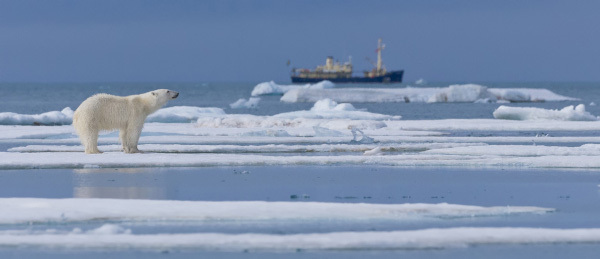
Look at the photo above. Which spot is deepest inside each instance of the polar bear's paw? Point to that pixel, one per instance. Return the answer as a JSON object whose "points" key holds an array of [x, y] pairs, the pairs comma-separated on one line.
{"points": [[132, 150]]}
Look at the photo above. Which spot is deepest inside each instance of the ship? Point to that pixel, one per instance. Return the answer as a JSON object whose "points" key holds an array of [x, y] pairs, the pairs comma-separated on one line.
{"points": [[342, 73]]}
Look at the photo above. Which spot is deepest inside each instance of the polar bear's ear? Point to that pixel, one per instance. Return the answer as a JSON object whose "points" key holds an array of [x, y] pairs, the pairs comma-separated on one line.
{"points": [[153, 93]]}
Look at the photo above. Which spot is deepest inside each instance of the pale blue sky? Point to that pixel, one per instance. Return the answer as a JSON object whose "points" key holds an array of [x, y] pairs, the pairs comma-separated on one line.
{"points": [[149, 41]]}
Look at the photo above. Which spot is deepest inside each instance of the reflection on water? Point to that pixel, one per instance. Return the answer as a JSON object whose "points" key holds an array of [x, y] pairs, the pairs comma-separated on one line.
{"points": [[104, 170], [155, 193], [121, 183]]}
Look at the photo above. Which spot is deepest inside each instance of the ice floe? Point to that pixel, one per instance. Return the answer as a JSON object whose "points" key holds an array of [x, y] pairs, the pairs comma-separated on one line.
{"points": [[466, 93], [48, 118], [567, 157], [452, 93], [569, 113], [182, 114], [323, 109], [322, 113], [328, 134], [112, 236], [270, 148], [271, 87], [291, 121], [520, 150], [252, 102], [329, 109], [37, 210]]}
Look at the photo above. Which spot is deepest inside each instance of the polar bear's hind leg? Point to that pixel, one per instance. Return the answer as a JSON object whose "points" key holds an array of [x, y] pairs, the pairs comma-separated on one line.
{"points": [[90, 142]]}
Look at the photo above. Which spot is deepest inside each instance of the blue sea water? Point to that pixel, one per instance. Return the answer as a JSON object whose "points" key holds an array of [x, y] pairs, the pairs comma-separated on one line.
{"points": [[573, 193], [35, 98]]}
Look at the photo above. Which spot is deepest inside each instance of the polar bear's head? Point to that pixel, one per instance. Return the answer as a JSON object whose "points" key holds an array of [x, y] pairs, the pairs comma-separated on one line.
{"points": [[161, 96]]}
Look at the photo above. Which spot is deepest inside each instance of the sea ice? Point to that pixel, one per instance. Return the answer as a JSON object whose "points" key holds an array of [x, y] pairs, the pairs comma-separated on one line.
{"points": [[325, 132], [38, 210], [266, 148], [374, 152], [183, 114], [420, 81], [462, 93], [48, 118], [452, 93], [569, 113], [252, 102], [364, 139], [434, 238], [329, 109], [219, 139], [271, 87]]}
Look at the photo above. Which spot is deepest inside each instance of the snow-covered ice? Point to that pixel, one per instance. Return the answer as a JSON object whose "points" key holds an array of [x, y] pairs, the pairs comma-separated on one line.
{"points": [[330, 133], [463, 93], [329, 109], [48, 118], [317, 93], [569, 113], [269, 148], [182, 114], [117, 237], [271, 87], [228, 140], [37, 210], [452, 93], [46, 214]]}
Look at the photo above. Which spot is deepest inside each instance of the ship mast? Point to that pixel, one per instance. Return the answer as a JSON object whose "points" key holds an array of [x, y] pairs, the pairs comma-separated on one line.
{"points": [[379, 62]]}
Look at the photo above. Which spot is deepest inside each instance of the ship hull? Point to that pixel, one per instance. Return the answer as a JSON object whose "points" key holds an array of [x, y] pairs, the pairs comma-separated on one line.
{"points": [[390, 77]]}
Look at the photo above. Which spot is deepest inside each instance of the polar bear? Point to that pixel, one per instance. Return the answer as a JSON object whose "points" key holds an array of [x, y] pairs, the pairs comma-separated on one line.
{"points": [[109, 112]]}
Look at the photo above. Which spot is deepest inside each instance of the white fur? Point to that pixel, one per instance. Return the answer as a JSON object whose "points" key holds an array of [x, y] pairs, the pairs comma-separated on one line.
{"points": [[109, 112]]}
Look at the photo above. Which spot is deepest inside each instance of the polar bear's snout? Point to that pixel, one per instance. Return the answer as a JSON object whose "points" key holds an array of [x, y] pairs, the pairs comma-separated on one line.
{"points": [[173, 94]]}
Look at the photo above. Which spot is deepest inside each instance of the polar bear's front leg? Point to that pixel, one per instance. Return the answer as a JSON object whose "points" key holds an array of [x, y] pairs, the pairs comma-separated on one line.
{"points": [[123, 138], [131, 137]]}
